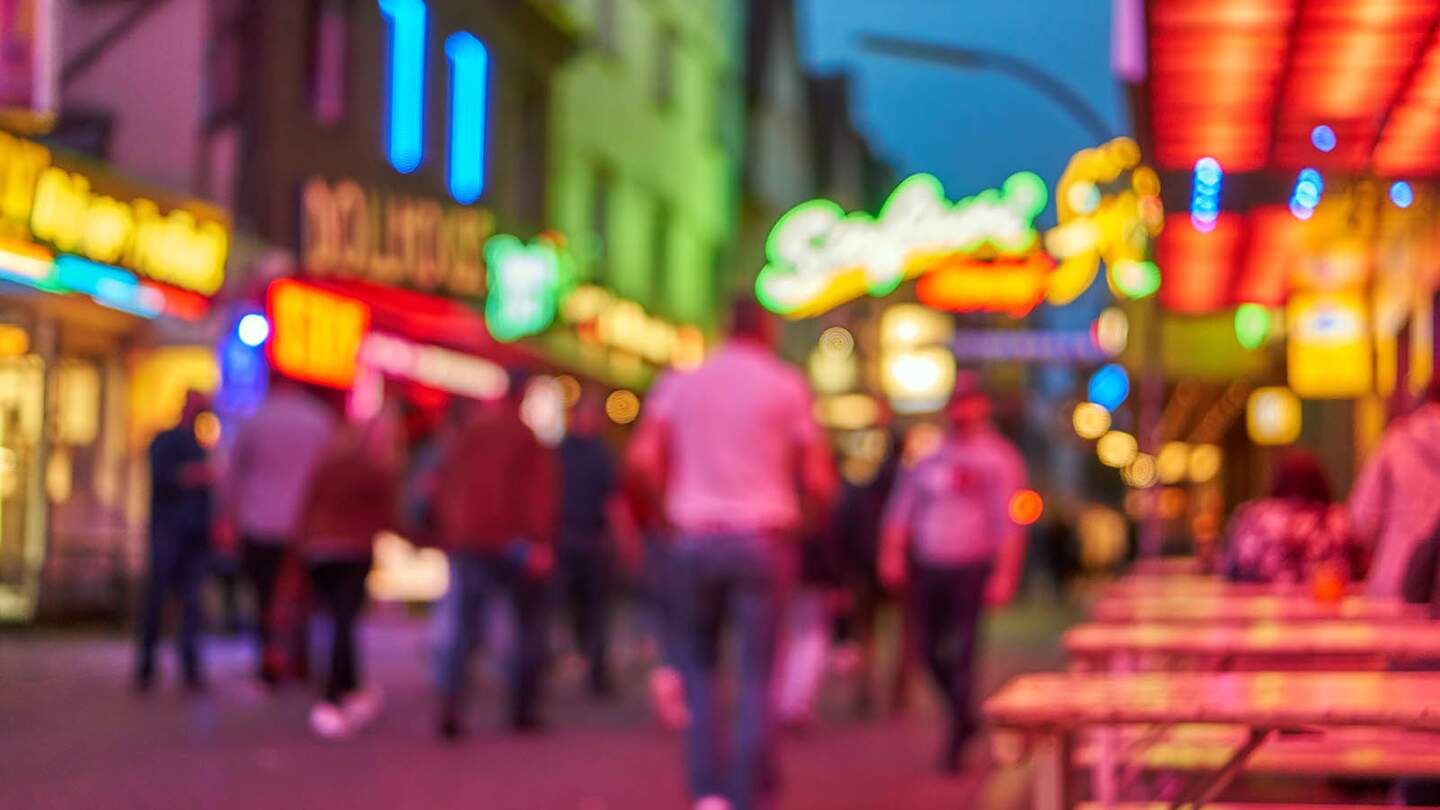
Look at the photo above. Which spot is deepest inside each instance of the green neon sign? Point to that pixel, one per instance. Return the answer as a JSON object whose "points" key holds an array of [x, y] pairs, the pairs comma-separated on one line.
{"points": [[819, 257], [526, 283]]}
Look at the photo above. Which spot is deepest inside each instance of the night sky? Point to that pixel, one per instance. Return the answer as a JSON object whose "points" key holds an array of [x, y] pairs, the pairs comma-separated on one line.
{"points": [[971, 129]]}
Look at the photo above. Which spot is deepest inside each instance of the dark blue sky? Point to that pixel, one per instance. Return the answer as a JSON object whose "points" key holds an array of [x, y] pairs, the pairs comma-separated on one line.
{"points": [[971, 129]]}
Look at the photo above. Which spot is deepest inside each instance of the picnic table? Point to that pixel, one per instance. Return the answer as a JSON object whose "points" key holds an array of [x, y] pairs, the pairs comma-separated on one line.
{"points": [[1051, 709], [1239, 608], [1366, 644]]}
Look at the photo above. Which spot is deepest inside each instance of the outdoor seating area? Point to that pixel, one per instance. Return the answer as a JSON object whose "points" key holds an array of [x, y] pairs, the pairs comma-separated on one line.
{"points": [[1196, 691]]}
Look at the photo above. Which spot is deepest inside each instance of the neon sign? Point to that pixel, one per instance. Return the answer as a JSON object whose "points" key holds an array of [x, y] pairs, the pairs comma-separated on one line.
{"points": [[820, 257], [602, 318], [1011, 286], [184, 246], [525, 283], [1108, 207], [438, 368], [393, 238], [407, 82], [469, 69], [315, 335]]}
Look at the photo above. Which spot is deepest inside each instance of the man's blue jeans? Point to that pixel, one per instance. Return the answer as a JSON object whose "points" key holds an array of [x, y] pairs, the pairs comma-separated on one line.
{"points": [[739, 580], [474, 579]]}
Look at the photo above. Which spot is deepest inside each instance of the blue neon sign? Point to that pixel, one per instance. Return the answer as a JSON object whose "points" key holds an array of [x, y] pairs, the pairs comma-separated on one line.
{"points": [[407, 82], [469, 74]]}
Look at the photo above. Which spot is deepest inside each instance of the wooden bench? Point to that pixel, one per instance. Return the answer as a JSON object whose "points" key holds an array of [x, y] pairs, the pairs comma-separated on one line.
{"points": [[1049, 711], [1305, 645], [1355, 752]]}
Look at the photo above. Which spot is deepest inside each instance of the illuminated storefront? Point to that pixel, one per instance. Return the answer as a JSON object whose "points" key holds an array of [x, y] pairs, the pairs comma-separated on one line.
{"points": [[97, 276]]}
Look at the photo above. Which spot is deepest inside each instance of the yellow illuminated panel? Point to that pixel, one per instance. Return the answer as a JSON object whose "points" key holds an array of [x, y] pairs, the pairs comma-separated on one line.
{"points": [[1330, 351], [316, 335], [62, 208]]}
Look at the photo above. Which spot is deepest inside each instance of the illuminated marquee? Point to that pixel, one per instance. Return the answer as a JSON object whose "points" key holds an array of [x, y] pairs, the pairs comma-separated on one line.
{"points": [[601, 317], [394, 239], [85, 213], [316, 335], [820, 257]]}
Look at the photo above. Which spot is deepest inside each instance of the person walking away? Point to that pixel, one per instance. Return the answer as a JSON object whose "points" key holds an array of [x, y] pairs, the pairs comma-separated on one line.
{"points": [[495, 509], [585, 549], [948, 531], [271, 462], [726, 445], [180, 514], [351, 498], [1294, 534], [1393, 504]]}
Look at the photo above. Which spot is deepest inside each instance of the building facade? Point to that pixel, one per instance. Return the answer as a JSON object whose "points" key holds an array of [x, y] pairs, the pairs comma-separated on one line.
{"points": [[645, 150]]}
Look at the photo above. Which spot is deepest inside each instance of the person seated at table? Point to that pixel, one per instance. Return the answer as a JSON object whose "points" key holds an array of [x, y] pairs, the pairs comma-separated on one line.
{"points": [[1294, 532]]}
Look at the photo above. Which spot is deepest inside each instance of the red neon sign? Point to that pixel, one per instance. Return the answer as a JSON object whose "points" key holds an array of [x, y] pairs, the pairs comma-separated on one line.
{"points": [[316, 335], [1013, 286]]}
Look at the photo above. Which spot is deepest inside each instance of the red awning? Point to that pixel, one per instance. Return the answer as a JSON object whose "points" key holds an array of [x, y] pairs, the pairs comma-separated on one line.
{"points": [[1246, 82]]}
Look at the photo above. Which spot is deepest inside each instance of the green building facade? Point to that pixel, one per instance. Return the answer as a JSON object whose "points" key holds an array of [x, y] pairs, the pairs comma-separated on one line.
{"points": [[645, 144]]}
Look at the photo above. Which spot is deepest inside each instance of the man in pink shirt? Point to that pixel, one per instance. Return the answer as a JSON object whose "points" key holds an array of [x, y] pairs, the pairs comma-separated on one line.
{"points": [[734, 448], [948, 530]]}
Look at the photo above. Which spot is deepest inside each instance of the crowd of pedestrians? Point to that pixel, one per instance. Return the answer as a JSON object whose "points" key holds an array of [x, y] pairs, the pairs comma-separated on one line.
{"points": [[725, 511]]}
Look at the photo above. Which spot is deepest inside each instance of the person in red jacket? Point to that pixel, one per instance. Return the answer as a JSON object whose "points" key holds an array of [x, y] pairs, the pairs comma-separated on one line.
{"points": [[351, 498], [495, 513]]}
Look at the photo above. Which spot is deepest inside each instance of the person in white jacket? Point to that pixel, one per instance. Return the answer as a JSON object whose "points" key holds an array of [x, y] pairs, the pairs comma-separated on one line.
{"points": [[1393, 504]]}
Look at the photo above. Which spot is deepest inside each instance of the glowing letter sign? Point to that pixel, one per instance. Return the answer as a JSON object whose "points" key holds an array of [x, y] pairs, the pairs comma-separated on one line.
{"points": [[316, 334], [407, 82], [469, 69], [820, 257], [525, 283]]}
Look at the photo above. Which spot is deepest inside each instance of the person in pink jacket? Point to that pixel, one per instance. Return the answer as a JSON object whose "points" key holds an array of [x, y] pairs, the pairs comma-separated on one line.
{"points": [[1393, 504]]}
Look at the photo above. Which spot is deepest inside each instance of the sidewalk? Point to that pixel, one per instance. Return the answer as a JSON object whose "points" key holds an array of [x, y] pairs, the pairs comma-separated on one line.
{"points": [[73, 736]]}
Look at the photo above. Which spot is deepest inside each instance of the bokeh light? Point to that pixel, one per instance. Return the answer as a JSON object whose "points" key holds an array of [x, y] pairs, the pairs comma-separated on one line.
{"points": [[1110, 386], [253, 330], [207, 429], [1111, 331], [1323, 138], [1402, 194], [1026, 507], [1090, 420], [1252, 325], [837, 341], [1117, 449], [1141, 473], [1205, 462], [1173, 462], [622, 406]]}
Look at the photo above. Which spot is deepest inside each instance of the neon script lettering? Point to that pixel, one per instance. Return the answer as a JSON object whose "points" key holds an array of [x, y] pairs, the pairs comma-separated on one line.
{"points": [[820, 257]]}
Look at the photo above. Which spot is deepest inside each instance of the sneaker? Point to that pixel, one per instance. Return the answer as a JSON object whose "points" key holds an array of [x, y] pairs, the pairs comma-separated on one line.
{"points": [[712, 803], [667, 698], [328, 720], [362, 705]]}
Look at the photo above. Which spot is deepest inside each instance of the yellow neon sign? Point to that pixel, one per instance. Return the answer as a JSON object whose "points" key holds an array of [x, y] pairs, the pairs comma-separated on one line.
{"points": [[62, 208]]}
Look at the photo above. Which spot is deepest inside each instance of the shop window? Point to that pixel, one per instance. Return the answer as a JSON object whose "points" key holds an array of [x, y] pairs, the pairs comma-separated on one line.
{"points": [[327, 28], [607, 25], [600, 224], [666, 51], [660, 236], [77, 404]]}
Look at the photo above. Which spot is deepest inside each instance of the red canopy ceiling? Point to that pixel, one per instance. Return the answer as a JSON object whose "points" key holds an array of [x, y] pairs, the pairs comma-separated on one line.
{"points": [[1245, 82]]}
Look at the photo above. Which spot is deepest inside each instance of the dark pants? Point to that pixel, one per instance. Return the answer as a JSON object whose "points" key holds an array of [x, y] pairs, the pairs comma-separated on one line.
{"points": [[585, 587], [740, 580], [656, 596], [339, 588], [947, 602], [475, 578], [261, 562], [178, 562]]}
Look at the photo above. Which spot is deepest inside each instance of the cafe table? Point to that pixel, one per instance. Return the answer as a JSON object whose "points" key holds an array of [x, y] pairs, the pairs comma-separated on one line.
{"points": [[1362, 644], [1221, 608], [1048, 711]]}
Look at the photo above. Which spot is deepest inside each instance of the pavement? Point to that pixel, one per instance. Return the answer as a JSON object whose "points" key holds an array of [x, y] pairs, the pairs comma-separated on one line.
{"points": [[73, 735]]}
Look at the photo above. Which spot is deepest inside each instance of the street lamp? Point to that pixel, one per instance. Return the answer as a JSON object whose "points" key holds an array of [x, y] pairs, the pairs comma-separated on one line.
{"points": [[977, 59]]}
